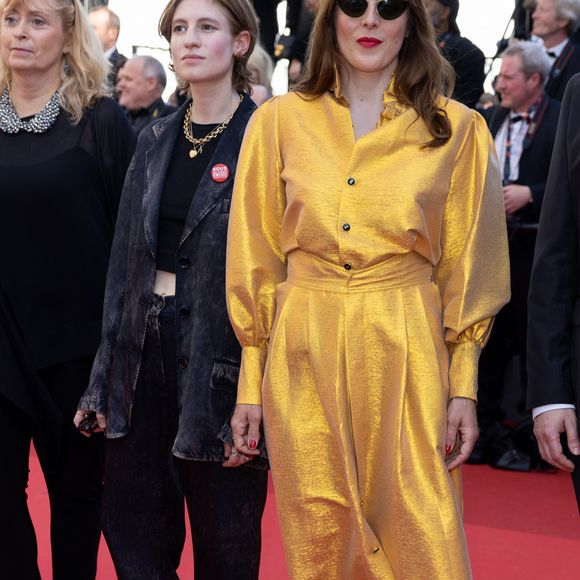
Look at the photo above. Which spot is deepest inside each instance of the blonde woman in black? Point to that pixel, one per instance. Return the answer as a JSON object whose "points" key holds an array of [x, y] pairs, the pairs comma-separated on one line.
{"points": [[64, 150]]}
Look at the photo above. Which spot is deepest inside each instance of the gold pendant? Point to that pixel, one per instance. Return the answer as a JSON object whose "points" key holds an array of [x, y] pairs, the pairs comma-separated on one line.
{"points": [[192, 154]]}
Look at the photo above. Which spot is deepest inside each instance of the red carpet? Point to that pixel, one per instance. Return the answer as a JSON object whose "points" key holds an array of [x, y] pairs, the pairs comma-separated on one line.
{"points": [[520, 526]]}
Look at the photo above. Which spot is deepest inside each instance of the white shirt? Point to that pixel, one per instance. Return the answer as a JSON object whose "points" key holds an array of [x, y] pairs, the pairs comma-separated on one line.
{"points": [[518, 133], [556, 51]]}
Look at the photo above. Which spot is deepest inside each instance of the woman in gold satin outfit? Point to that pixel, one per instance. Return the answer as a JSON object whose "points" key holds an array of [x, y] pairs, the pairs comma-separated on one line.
{"points": [[367, 256]]}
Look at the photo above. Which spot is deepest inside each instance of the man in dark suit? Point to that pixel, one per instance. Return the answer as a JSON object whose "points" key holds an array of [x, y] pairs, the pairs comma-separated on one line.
{"points": [[467, 60], [555, 22], [524, 129], [107, 26], [140, 85], [554, 303]]}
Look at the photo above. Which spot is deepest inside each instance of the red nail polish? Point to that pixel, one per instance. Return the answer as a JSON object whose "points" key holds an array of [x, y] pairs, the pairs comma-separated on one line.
{"points": [[252, 444], [448, 449]]}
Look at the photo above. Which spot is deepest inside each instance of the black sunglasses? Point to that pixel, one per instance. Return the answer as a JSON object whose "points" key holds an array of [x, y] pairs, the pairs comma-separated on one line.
{"points": [[387, 9]]}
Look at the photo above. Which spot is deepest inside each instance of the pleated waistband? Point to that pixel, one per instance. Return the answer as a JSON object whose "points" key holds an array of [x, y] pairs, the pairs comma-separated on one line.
{"points": [[398, 271]]}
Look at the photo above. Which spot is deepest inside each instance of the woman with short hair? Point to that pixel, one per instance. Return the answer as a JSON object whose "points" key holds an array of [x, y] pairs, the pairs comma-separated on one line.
{"points": [[164, 382]]}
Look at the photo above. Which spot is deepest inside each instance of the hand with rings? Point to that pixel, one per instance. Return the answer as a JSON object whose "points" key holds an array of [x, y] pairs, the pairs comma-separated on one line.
{"points": [[233, 457]]}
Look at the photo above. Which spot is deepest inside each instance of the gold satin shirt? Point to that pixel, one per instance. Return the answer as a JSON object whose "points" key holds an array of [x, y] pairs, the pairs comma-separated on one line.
{"points": [[362, 278]]}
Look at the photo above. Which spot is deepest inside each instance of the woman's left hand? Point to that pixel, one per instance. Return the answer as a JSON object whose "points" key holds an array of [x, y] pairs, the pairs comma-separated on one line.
{"points": [[462, 431]]}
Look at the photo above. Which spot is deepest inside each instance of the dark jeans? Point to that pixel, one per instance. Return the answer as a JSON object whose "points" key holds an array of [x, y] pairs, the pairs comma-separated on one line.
{"points": [[74, 486], [143, 505]]}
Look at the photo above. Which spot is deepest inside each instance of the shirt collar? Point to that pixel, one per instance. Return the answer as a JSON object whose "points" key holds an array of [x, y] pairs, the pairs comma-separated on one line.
{"points": [[392, 106], [558, 49], [109, 52]]}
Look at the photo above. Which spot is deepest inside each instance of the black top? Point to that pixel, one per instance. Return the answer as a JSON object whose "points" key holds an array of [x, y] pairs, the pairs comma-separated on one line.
{"points": [[59, 196], [183, 177]]}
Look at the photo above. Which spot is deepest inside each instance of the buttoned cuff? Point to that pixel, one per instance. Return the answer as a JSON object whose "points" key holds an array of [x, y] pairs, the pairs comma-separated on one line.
{"points": [[251, 374], [463, 369]]}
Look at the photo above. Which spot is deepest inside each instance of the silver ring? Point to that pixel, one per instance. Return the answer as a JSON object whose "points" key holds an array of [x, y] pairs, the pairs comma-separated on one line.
{"points": [[234, 453]]}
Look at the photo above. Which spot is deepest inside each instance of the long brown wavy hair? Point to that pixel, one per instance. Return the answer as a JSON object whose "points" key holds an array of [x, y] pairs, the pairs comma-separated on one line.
{"points": [[421, 78], [241, 17]]}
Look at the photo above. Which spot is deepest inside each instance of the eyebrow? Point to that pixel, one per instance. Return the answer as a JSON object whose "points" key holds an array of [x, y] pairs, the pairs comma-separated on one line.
{"points": [[202, 19], [30, 12]]}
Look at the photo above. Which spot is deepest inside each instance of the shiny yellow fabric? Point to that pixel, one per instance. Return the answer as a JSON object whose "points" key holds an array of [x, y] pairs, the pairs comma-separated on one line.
{"points": [[355, 367]]}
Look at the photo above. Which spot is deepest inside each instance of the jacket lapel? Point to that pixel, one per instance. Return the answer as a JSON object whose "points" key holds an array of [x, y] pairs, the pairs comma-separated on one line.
{"points": [[535, 122], [497, 118]]}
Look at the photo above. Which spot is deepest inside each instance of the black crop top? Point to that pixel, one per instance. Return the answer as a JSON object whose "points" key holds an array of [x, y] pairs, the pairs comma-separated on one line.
{"points": [[183, 177]]}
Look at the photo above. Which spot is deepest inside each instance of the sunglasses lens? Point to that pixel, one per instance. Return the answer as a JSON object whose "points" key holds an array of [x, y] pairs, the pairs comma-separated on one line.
{"points": [[391, 9], [353, 8]]}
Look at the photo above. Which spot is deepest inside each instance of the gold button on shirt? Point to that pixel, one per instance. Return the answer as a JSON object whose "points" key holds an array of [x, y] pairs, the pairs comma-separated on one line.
{"points": [[362, 278]]}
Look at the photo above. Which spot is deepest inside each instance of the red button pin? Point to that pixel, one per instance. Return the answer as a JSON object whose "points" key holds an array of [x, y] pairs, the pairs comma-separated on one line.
{"points": [[220, 172]]}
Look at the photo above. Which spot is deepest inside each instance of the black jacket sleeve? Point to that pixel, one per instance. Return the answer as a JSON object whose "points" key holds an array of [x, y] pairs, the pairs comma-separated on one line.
{"points": [[553, 306]]}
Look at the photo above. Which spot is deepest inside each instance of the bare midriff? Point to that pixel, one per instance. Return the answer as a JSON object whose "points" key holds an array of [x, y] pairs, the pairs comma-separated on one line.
{"points": [[164, 283]]}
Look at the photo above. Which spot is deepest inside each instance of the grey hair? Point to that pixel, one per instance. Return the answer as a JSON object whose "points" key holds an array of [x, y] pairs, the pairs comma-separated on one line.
{"points": [[114, 20], [533, 56], [568, 10], [153, 68]]}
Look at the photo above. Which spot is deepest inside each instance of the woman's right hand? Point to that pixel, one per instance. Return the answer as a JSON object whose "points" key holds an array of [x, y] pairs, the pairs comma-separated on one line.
{"points": [[82, 415], [246, 429]]}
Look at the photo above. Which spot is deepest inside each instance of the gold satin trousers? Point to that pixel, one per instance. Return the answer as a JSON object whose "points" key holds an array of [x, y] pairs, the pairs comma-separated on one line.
{"points": [[355, 394]]}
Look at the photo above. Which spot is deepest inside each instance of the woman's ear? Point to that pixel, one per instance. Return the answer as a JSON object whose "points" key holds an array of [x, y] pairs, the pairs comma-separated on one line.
{"points": [[242, 43]]}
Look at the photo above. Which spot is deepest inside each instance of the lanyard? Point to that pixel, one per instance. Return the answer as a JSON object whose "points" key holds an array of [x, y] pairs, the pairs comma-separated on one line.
{"points": [[508, 145]]}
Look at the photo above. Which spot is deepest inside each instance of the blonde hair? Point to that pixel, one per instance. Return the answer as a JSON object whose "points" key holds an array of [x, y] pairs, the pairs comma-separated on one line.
{"points": [[242, 18], [84, 68], [261, 66]]}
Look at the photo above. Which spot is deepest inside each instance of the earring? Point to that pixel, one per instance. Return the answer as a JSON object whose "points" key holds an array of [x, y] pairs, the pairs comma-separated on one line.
{"points": [[66, 67]]}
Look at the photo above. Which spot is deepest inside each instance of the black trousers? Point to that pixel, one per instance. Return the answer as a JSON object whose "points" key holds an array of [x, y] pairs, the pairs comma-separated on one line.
{"points": [[145, 486], [74, 486], [508, 338]]}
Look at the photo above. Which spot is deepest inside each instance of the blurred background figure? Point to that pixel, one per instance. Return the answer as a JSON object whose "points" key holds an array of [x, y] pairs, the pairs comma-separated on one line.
{"points": [[467, 60], [297, 55], [107, 26], [267, 16], [64, 151], [524, 129], [140, 84], [261, 70], [486, 101], [556, 22]]}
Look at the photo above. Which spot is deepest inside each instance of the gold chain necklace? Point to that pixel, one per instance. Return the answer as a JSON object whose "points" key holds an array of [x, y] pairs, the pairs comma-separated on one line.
{"points": [[199, 143]]}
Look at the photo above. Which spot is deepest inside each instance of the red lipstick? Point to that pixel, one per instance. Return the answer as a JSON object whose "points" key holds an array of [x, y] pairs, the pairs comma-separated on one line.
{"points": [[369, 42]]}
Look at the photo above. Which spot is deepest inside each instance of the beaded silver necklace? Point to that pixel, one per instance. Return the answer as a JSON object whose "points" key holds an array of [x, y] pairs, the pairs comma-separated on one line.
{"points": [[10, 122]]}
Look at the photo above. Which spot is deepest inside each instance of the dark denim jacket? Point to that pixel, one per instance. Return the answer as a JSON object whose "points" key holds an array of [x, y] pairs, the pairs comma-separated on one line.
{"points": [[207, 347]]}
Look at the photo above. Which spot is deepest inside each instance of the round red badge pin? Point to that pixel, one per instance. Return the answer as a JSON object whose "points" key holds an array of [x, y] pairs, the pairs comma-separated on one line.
{"points": [[220, 172]]}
